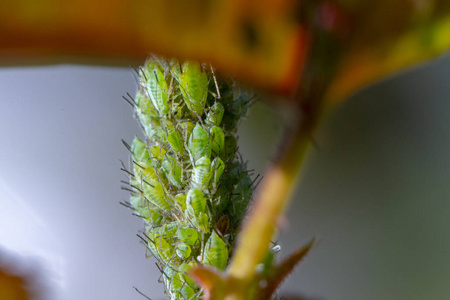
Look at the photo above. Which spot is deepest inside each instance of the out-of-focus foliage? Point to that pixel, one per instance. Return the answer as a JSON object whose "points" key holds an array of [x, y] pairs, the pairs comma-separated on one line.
{"points": [[384, 36], [261, 42], [12, 287], [264, 43]]}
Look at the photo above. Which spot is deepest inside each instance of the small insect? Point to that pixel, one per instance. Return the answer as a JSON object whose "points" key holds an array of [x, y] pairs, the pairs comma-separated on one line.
{"points": [[156, 87], [215, 252], [202, 173], [218, 168], [188, 235], [199, 143], [215, 114], [217, 140], [193, 83], [195, 202]]}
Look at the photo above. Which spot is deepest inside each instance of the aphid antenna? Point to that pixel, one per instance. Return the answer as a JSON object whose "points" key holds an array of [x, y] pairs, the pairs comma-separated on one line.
{"points": [[257, 184], [141, 293], [148, 183], [126, 171], [138, 215], [138, 189], [127, 189], [142, 73], [131, 102], [126, 204], [254, 180]]}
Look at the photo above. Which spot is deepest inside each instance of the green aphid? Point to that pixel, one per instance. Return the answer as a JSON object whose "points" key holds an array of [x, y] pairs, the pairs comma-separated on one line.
{"points": [[146, 181], [155, 85], [157, 196], [193, 83], [175, 140], [159, 245], [186, 129], [202, 174], [195, 202], [183, 269], [199, 143], [188, 235], [169, 231], [172, 276], [218, 167], [183, 251], [139, 150], [146, 210], [181, 200], [203, 222], [145, 110], [159, 134], [215, 252], [215, 114], [217, 140], [172, 170]]}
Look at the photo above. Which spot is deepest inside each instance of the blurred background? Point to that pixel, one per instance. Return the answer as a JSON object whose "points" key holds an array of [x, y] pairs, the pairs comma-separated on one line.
{"points": [[374, 192]]}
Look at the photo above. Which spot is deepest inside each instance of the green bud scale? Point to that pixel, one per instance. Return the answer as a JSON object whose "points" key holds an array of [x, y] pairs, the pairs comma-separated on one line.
{"points": [[187, 177]]}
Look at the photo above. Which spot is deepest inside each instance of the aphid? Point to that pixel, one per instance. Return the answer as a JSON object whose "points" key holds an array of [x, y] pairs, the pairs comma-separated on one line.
{"points": [[215, 252], [175, 140], [186, 130], [159, 245], [217, 140], [202, 173], [172, 170], [183, 251], [193, 83], [218, 168], [139, 150], [215, 114], [195, 202], [156, 87], [199, 143], [188, 236], [181, 200]]}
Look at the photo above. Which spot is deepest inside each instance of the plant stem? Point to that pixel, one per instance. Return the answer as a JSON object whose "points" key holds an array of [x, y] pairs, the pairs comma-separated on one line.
{"points": [[272, 199]]}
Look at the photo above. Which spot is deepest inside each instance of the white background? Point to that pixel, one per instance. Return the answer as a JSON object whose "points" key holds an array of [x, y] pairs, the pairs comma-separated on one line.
{"points": [[375, 191]]}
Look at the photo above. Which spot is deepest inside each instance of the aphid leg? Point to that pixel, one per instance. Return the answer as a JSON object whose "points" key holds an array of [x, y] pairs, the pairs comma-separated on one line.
{"points": [[142, 294]]}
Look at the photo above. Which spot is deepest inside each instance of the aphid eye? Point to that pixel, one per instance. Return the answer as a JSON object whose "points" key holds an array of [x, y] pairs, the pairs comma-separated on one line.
{"points": [[193, 83], [215, 252]]}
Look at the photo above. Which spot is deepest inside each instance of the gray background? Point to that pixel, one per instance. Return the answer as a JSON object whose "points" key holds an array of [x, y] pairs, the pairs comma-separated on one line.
{"points": [[375, 192]]}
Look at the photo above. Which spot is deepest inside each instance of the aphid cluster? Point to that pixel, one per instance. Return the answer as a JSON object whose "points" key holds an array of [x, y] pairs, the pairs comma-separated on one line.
{"points": [[188, 183]]}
